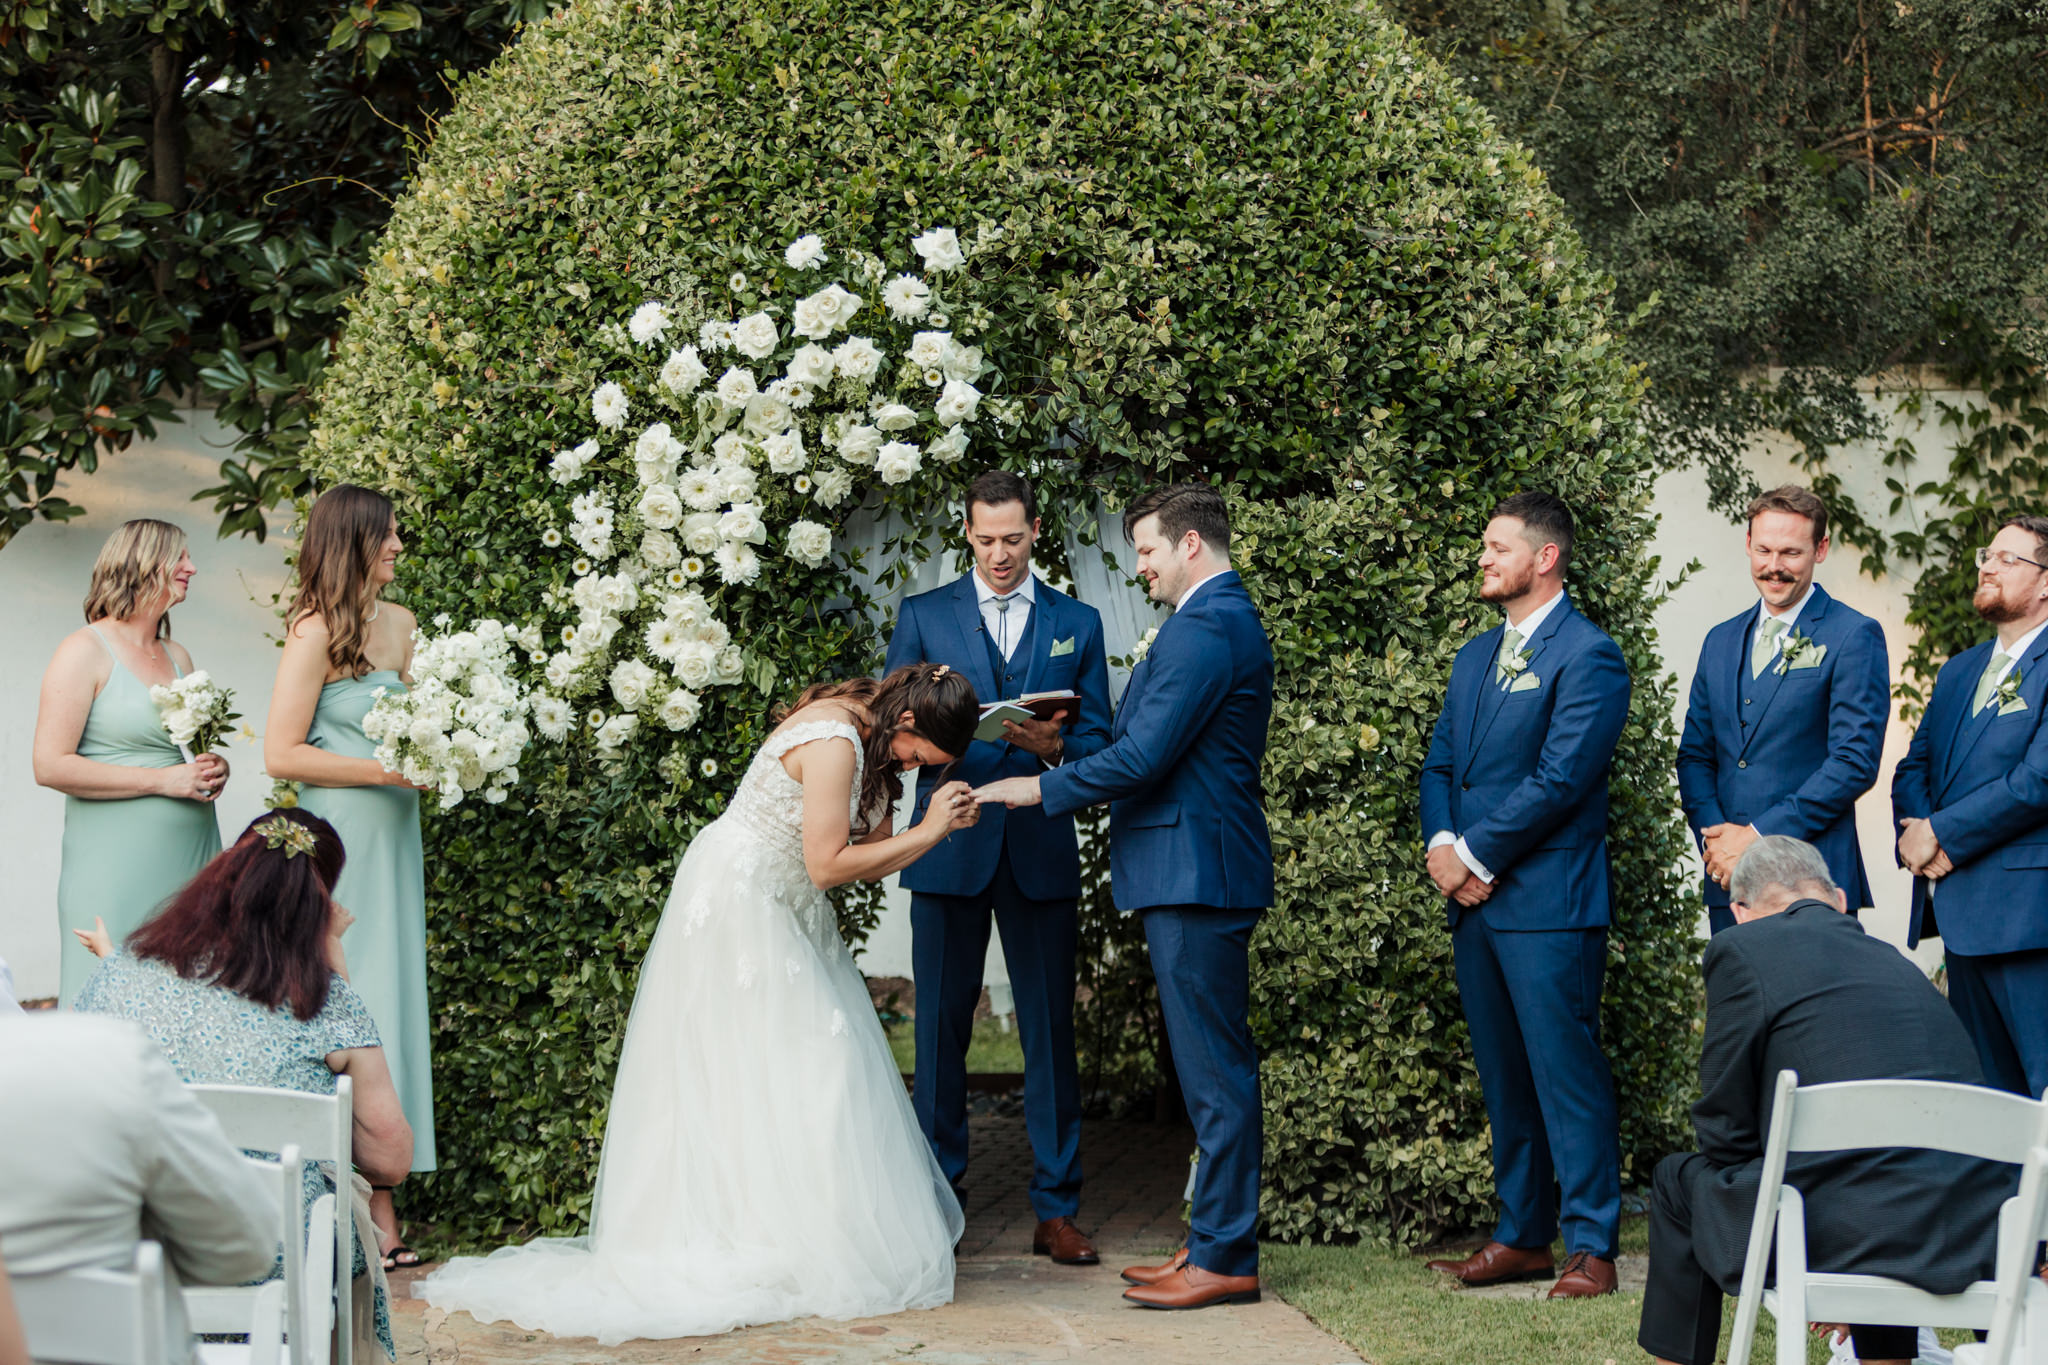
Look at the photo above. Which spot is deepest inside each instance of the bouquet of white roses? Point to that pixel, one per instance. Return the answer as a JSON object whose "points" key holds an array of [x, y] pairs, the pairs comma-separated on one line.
{"points": [[462, 726], [196, 710]]}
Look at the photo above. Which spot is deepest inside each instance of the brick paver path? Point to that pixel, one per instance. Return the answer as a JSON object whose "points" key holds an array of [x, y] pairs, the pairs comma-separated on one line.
{"points": [[1134, 1176]]}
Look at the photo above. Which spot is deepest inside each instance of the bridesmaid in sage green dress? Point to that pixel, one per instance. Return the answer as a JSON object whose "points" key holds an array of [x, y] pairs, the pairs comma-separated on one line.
{"points": [[343, 644], [138, 817]]}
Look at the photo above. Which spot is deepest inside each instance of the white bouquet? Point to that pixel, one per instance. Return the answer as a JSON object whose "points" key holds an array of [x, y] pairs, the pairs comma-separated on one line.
{"points": [[462, 726], [196, 710]]}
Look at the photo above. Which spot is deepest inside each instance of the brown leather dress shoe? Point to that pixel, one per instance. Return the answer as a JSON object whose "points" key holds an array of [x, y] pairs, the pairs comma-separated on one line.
{"points": [[1193, 1287], [1153, 1274], [1498, 1263], [1585, 1276], [1065, 1243]]}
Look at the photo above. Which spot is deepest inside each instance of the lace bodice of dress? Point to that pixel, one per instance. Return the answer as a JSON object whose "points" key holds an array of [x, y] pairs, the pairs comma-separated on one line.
{"points": [[770, 802]]}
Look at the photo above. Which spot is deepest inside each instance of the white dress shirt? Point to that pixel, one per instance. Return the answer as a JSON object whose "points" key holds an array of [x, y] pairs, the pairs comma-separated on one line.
{"points": [[1006, 628], [1789, 616], [2018, 650], [1527, 630]]}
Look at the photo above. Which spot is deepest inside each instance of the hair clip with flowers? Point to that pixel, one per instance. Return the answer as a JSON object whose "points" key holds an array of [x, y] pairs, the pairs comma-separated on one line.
{"points": [[941, 671], [289, 835]]}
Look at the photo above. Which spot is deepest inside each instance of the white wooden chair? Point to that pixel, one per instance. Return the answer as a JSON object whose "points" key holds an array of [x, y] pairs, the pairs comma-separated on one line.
{"points": [[269, 1313], [320, 1127], [2020, 1319], [97, 1317], [1850, 1115]]}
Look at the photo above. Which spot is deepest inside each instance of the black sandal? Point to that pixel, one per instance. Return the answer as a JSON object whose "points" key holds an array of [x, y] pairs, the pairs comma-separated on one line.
{"points": [[396, 1258]]}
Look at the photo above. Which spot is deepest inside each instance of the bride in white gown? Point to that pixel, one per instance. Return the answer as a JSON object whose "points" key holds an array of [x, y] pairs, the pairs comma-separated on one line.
{"points": [[761, 1160]]}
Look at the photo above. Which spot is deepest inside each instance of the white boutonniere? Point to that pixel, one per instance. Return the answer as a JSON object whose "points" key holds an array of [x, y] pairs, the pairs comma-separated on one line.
{"points": [[1799, 651], [1508, 672], [1144, 646], [1525, 682], [2008, 697], [1060, 647]]}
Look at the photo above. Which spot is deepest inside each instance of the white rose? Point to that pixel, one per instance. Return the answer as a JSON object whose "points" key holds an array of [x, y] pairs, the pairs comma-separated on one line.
{"points": [[940, 248], [809, 542], [754, 336], [731, 448], [660, 508], [859, 445], [857, 358], [949, 446], [682, 372], [658, 550], [812, 365], [630, 681], [834, 483], [729, 667], [649, 323], [737, 562], [617, 593], [743, 522], [961, 362], [700, 533], [560, 671], [614, 733], [567, 467], [655, 444], [736, 482], [843, 304], [812, 317], [957, 401], [700, 489], [767, 415], [907, 298], [897, 462], [735, 387], [895, 417], [928, 349], [785, 451], [805, 253], [608, 405], [694, 663]]}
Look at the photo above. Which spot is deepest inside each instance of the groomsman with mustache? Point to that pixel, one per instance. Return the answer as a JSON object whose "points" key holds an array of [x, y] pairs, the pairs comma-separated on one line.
{"points": [[1788, 710]]}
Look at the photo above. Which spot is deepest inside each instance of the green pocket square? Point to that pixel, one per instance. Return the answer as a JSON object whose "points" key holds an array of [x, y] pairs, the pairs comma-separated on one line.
{"points": [[1810, 659], [1060, 647], [2013, 707], [1528, 682]]}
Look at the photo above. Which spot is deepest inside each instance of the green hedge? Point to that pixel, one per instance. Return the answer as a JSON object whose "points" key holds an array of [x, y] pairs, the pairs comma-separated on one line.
{"points": [[1263, 243]]}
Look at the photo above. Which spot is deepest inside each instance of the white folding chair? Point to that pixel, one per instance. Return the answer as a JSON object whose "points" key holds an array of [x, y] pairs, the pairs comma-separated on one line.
{"points": [[320, 1127], [2021, 1314], [97, 1317], [1851, 1115], [269, 1313]]}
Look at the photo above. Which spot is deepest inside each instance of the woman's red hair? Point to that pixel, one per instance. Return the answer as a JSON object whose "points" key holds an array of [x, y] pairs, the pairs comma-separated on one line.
{"points": [[255, 920]]}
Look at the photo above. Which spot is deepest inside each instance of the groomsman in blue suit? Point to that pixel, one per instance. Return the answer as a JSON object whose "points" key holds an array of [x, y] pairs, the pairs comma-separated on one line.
{"points": [[1008, 633], [1514, 806], [1189, 851], [1971, 798], [1788, 710]]}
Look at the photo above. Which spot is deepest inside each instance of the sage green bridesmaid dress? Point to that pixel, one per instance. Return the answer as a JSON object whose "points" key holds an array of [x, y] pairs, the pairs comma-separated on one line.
{"points": [[383, 884], [123, 858]]}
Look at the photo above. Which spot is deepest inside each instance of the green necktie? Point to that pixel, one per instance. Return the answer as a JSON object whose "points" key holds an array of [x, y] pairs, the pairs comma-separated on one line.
{"points": [[1765, 646], [1987, 683], [1510, 647]]}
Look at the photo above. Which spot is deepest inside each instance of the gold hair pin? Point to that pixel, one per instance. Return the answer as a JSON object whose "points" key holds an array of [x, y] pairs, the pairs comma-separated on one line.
{"points": [[289, 835]]}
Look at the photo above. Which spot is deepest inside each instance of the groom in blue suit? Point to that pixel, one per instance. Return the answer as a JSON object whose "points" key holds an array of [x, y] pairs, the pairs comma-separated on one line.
{"points": [[1514, 806], [1008, 633], [1971, 798], [1788, 710], [1189, 851]]}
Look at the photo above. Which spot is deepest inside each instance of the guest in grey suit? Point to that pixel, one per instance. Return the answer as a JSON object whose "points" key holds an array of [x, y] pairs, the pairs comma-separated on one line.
{"points": [[101, 1147], [1797, 983]]}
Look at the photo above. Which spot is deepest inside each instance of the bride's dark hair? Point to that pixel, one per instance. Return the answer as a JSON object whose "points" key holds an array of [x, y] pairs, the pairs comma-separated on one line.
{"points": [[943, 710]]}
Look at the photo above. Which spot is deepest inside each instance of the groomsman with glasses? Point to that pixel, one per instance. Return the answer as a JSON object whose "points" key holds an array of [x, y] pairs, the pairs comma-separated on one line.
{"points": [[1788, 710], [1514, 805], [1971, 798], [1009, 633]]}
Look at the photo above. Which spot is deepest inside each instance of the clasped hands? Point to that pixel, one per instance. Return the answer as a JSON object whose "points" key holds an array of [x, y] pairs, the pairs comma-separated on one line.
{"points": [[1921, 852], [1456, 880], [1723, 846]]}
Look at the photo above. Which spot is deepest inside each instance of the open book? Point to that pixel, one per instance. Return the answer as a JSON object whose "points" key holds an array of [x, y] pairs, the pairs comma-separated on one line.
{"points": [[1040, 705]]}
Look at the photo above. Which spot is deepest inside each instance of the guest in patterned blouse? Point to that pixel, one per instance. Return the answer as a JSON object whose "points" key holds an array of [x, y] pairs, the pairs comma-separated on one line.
{"points": [[240, 979]]}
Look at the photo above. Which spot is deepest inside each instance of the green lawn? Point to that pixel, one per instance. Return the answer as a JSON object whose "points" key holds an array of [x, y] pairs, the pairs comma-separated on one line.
{"points": [[991, 1048]]}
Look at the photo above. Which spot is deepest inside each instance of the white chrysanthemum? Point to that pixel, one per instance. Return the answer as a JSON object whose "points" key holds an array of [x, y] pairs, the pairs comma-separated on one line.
{"points": [[907, 297], [957, 402], [785, 451], [812, 364], [595, 717], [700, 532], [897, 462], [895, 417], [683, 371], [649, 323], [660, 507], [738, 282], [608, 405], [743, 523], [859, 445], [715, 335], [767, 415], [754, 336], [658, 550], [665, 639], [928, 349], [551, 538], [736, 386], [940, 248], [858, 359], [700, 489], [630, 683], [679, 709], [797, 395], [737, 562], [949, 446], [806, 252], [809, 542], [834, 483], [551, 716]]}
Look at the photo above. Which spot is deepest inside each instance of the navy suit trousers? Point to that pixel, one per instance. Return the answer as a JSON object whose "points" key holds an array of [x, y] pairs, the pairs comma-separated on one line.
{"points": [[2000, 999], [1201, 960], [948, 949], [1532, 1002]]}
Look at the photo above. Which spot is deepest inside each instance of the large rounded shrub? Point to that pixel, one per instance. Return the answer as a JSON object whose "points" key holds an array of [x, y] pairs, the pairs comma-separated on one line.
{"points": [[1263, 243]]}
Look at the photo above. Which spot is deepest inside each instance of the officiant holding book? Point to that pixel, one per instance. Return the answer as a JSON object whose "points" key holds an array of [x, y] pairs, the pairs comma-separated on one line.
{"points": [[1011, 635]]}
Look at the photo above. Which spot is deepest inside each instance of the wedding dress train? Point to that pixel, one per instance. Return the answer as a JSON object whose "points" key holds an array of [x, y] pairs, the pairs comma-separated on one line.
{"points": [[761, 1161]]}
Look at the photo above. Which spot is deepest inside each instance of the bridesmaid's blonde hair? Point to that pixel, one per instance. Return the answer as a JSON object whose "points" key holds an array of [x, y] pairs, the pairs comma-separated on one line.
{"points": [[134, 567], [344, 533]]}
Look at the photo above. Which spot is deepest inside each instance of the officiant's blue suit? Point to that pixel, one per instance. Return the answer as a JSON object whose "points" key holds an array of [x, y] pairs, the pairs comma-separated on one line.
{"points": [[1788, 752], [1981, 781], [1023, 865], [1522, 775], [1189, 850]]}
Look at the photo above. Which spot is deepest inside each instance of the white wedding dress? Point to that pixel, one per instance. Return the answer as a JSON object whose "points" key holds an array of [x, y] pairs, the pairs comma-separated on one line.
{"points": [[761, 1161]]}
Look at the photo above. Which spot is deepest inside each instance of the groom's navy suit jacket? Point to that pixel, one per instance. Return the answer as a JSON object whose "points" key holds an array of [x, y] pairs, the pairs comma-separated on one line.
{"points": [[1187, 825], [1523, 775], [1788, 752], [1061, 650], [1982, 782]]}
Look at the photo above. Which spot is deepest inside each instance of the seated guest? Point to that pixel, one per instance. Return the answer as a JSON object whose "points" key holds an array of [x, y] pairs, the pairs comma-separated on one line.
{"points": [[258, 927], [100, 1147], [1797, 983]]}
